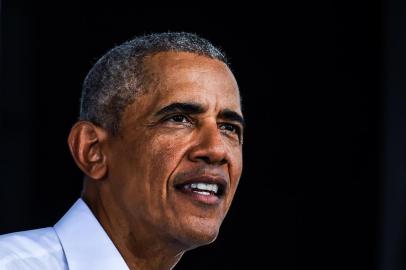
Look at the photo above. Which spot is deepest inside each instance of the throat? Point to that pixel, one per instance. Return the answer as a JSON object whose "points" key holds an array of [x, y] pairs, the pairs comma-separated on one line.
{"points": [[138, 244], [153, 257]]}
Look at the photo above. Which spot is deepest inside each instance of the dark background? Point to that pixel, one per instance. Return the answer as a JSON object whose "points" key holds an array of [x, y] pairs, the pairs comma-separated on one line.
{"points": [[324, 96]]}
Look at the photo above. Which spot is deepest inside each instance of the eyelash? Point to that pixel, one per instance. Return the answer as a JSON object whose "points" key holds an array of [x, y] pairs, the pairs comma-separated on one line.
{"points": [[177, 115], [235, 129]]}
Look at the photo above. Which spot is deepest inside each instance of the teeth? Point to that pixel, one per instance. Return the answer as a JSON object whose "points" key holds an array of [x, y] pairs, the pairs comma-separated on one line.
{"points": [[204, 188], [203, 193]]}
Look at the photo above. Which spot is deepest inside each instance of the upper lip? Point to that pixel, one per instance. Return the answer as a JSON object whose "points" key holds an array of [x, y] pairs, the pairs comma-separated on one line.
{"points": [[220, 180]]}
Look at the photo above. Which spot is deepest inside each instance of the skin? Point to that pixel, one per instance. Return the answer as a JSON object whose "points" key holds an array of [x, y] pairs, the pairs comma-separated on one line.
{"points": [[130, 177]]}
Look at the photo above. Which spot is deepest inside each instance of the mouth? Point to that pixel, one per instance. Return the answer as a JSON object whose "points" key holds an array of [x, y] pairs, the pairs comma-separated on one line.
{"points": [[207, 190]]}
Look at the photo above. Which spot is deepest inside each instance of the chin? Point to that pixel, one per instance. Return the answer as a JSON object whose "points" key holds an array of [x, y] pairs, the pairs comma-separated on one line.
{"points": [[200, 234]]}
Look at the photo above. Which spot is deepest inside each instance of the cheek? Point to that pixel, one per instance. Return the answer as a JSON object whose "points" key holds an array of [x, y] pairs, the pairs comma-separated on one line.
{"points": [[235, 168], [145, 168], [235, 157], [166, 153]]}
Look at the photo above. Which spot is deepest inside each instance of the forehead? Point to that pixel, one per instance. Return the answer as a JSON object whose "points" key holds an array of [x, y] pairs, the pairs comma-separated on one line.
{"points": [[188, 77]]}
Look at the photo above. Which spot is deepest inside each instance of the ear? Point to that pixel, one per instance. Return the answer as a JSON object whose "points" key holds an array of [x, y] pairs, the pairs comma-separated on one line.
{"points": [[86, 145]]}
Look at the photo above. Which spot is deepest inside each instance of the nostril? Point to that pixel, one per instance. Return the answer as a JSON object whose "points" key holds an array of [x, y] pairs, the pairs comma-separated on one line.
{"points": [[209, 160], [205, 159], [210, 149]]}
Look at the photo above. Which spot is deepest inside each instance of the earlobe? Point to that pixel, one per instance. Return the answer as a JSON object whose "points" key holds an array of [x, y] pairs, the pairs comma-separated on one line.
{"points": [[85, 142]]}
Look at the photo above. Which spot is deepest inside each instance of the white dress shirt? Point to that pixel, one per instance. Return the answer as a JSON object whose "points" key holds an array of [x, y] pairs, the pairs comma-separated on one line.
{"points": [[76, 242]]}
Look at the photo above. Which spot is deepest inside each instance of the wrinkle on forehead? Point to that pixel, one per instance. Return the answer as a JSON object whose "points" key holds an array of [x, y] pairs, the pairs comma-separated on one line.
{"points": [[197, 65], [187, 77], [197, 73]]}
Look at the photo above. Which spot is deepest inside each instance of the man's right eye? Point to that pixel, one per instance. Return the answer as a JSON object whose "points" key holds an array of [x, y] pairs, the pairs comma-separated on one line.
{"points": [[178, 118]]}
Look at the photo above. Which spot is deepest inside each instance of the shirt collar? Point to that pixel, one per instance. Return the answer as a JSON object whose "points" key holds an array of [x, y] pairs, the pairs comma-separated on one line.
{"points": [[85, 243]]}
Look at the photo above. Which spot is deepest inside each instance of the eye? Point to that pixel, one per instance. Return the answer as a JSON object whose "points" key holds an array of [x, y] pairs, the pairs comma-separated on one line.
{"points": [[230, 128], [179, 118]]}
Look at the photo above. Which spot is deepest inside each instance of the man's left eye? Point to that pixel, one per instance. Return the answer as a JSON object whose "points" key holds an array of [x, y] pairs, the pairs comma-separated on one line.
{"points": [[229, 127]]}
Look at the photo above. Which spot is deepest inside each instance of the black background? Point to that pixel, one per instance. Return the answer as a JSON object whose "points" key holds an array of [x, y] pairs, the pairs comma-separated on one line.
{"points": [[315, 96]]}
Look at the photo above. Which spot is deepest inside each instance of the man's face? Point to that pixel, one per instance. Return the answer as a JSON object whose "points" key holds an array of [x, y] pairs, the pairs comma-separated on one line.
{"points": [[176, 164]]}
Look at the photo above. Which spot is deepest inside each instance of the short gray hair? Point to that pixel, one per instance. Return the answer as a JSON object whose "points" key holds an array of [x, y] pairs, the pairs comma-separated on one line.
{"points": [[117, 77]]}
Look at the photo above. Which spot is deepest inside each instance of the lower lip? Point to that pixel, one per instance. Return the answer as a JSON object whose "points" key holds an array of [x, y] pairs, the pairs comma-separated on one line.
{"points": [[204, 199]]}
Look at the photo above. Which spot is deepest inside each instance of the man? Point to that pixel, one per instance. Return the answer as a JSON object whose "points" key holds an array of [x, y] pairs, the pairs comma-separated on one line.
{"points": [[159, 140]]}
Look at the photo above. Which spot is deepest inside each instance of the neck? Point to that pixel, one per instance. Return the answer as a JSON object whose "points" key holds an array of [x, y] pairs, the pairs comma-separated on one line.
{"points": [[140, 248]]}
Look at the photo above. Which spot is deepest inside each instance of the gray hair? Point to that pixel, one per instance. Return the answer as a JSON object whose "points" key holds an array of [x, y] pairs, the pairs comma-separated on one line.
{"points": [[117, 77]]}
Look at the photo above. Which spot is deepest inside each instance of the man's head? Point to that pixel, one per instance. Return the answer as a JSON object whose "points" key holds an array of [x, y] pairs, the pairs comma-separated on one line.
{"points": [[160, 140], [120, 75]]}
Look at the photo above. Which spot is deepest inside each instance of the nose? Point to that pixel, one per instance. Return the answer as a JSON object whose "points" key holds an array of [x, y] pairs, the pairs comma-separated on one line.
{"points": [[209, 146]]}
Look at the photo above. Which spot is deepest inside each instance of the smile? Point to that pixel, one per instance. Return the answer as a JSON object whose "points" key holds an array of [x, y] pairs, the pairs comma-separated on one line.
{"points": [[206, 190], [203, 189]]}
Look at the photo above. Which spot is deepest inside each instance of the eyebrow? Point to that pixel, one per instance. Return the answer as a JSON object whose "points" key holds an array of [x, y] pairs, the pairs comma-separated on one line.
{"points": [[181, 107], [195, 108], [231, 115]]}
